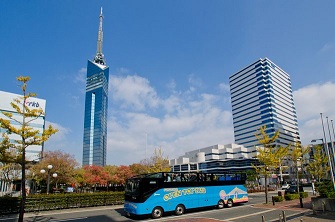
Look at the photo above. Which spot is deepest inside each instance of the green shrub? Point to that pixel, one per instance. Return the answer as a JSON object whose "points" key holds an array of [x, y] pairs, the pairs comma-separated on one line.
{"points": [[303, 194], [292, 196], [44, 202], [9, 204], [278, 198], [325, 189]]}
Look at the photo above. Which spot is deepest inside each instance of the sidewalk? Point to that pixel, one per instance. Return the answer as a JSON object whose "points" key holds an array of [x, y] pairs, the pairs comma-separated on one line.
{"points": [[306, 212]]}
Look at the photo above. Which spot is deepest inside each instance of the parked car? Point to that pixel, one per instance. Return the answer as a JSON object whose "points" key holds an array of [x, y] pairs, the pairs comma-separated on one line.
{"points": [[285, 186], [294, 189]]}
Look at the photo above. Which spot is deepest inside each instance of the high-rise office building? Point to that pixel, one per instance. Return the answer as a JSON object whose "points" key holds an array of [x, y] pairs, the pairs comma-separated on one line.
{"points": [[261, 94], [96, 102]]}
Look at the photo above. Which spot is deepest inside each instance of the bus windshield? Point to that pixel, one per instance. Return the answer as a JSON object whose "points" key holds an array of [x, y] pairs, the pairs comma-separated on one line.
{"points": [[132, 186]]}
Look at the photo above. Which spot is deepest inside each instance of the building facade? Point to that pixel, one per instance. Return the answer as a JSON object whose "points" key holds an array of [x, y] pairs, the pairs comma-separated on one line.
{"points": [[96, 105], [33, 152], [261, 94], [230, 158]]}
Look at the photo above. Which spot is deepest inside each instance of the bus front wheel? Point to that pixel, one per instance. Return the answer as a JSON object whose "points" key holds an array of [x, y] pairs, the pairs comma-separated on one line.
{"points": [[180, 209], [157, 212], [230, 203], [221, 204]]}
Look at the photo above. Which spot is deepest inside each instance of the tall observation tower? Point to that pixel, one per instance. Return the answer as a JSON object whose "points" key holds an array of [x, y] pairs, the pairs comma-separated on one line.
{"points": [[96, 104]]}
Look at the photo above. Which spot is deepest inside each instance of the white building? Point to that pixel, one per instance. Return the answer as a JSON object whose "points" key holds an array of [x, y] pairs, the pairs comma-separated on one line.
{"points": [[261, 94], [33, 153], [228, 158]]}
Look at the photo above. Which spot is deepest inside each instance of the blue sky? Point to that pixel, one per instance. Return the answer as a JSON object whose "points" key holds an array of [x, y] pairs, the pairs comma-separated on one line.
{"points": [[169, 66]]}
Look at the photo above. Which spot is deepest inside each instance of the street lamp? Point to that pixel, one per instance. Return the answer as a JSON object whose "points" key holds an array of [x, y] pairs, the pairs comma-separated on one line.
{"points": [[53, 175]]}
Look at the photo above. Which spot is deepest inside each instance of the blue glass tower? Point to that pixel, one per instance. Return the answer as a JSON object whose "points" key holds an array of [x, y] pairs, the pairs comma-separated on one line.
{"points": [[96, 104]]}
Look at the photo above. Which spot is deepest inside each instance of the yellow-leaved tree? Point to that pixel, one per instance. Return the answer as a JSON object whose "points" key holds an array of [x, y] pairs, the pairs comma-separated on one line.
{"points": [[269, 156], [296, 155], [157, 162], [318, 168], [20, 125]]}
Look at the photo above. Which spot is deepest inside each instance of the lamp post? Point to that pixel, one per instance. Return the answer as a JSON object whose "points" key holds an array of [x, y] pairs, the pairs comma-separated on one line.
{"points": [[53, 175]]}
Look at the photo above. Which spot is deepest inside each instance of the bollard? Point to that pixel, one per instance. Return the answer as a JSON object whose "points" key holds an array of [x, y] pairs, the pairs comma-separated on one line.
{"points": [[301, 204], [273, 200], [284, 217], [301, 219], [280, 219], [313, 208], [263, 219], [323, 206]]}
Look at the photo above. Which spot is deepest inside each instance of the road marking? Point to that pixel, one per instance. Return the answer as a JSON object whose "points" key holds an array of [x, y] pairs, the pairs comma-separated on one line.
{"points": [[193, 214], [8, 218], [77, 218], [235, 218], [70, 211]]}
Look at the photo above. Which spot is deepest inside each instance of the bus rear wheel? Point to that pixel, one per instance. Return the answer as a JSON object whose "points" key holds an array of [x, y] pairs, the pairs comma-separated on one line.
{"points": [[180, 209], [230, 203], [157, 212], [220, 204]]}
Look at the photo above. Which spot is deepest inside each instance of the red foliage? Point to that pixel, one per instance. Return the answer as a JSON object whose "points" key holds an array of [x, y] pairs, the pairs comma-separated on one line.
{"points": [[95, 175], [123, 172]]}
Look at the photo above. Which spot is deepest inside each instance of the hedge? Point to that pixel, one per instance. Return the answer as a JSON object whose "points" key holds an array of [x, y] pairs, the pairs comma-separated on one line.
{"points": [[303, 194], [292, 196], [278, 198], [43, 202]]}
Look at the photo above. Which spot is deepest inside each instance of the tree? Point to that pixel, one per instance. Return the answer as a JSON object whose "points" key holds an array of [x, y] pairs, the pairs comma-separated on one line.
{"points": [[122, 173], [96, 175], [266, 155], [157, 163], [318, 168], [296, 156], [281, 154], [138, 168], [8, 167], [7, 151], [63, 164], [252, 177], [23, 129], [78, 176]]}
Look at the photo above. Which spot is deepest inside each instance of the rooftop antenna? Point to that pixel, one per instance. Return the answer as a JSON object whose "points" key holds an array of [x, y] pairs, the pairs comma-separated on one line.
{"points": [[99, 57]]}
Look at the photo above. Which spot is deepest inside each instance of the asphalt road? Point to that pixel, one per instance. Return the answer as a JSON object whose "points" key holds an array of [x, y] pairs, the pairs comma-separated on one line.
{"points": [[244, 212]]}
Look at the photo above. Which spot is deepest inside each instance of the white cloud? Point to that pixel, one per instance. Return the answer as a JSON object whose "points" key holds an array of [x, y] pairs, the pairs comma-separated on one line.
{"points": [[183, 121], [329, 46], [64, 140], [314, 99], [140, 120], [81, 76], [171, 85], [133, 91], [195, 83], [224, 87], [310, 101], [58, 138]]}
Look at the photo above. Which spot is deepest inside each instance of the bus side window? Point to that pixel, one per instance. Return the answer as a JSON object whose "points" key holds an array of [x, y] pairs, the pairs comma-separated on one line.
{"points": [[176, 177], [167, 178], [193, 177]]}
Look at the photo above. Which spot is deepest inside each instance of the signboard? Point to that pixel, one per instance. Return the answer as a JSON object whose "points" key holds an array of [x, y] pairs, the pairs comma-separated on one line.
{"points": [[6, 98]]}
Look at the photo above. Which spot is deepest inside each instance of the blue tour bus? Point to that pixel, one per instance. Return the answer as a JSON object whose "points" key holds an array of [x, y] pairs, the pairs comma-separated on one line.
{"points": [[156, 193]]}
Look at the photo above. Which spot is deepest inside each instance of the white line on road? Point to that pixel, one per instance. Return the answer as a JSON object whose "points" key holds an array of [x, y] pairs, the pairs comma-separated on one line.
{"points": [[235, 218], [77, 218], [8, 218]]}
